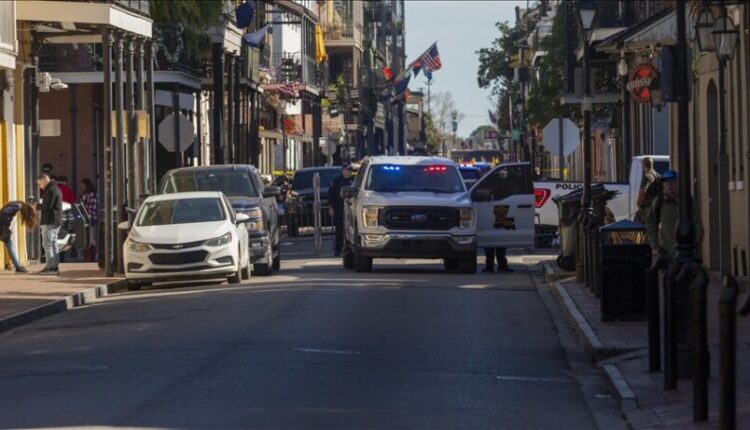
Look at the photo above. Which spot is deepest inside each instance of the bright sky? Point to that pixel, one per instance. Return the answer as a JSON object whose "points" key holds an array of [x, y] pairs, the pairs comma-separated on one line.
{"points": [[461, 27]]}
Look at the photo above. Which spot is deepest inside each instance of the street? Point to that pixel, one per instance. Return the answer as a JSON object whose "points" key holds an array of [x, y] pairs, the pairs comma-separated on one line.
{"points": [[313, 347]]}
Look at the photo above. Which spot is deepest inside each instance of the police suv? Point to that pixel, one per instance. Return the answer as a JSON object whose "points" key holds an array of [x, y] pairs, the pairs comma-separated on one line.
{"points": [[419, 207]]}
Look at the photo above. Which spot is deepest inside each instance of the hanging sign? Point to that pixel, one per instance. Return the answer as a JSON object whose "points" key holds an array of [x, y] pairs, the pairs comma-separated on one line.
{"points": [[640, 81]]}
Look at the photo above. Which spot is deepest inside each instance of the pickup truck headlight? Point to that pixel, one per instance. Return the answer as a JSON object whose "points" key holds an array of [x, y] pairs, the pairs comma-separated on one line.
{"points": [[370, 216], [138, 246], [219, 241], [256, 219], [466, 217]]}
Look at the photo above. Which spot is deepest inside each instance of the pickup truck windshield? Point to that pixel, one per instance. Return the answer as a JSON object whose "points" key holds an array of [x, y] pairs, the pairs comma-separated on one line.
{"points": [[186, 211], [396, 178], [233, 183], [304, 180]]}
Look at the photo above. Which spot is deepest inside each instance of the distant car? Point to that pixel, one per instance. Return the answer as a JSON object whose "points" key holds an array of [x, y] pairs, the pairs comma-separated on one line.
{"points": [[470, 175], [186, 236], [244, 188], [300, 199]]}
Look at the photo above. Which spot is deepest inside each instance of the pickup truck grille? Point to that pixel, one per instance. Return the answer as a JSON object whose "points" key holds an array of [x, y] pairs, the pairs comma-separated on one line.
{"points": [[419, 218]]}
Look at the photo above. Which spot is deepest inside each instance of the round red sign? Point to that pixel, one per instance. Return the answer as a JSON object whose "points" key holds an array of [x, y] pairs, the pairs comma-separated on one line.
{"points": [[640, 81]]}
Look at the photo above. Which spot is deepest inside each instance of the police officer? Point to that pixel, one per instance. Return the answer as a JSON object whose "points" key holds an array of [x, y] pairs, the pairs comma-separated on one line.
{"points": [[336, 205], [664, 216]]}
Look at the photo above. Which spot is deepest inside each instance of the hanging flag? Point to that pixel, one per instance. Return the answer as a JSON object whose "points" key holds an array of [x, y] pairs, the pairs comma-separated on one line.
{"points": [[416, 67], [430, 59], [255, 39], [320, 45], [402, 85], [493, 118], [244, 13], [387, 73], [427, 73]]}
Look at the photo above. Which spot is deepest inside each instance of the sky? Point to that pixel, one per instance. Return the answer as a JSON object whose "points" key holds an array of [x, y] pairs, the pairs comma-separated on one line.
{"points": [[460, 28]]}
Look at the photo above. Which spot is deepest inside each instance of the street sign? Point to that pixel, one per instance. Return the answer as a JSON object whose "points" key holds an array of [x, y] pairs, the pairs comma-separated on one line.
{"points": [[571, 136], [167, 136]]}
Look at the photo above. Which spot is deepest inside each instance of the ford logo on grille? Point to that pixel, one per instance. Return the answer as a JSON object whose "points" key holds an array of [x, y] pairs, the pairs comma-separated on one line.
{"points": [[419, 218]]}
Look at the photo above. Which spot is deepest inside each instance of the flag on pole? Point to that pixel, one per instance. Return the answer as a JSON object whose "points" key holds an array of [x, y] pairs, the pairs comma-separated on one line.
{"points": [[320, 45], [255, 39], [402, 85], [244, 13], [430, 59], [416, 67]]}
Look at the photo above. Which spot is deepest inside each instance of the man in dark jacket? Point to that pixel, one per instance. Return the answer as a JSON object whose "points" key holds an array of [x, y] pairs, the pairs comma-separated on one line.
{"points": [[336, 205], [51, 221]]}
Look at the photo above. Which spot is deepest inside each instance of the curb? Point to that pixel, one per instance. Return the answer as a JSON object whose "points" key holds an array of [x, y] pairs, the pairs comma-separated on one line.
{"points": [[77, 299], [594, 347]]}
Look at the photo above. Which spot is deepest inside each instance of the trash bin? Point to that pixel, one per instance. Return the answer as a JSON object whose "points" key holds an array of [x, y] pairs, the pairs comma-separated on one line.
{"points": [[599, 198], [625, 256], [568, 207]]}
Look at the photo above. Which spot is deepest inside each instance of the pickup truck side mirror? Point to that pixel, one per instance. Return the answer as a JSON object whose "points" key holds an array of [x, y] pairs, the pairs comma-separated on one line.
{"points": [[348, 192], [272, 191], [481, 195]]}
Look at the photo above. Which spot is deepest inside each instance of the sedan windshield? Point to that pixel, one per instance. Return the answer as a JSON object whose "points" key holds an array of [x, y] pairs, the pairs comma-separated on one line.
{"points": [[233, 183], [186, 211], [436, 179], [304, 180]]}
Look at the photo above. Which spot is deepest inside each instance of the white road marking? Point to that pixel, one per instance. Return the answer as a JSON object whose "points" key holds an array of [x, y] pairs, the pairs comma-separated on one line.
{"points": [[475, 286], [529, 379], [324, 351]]}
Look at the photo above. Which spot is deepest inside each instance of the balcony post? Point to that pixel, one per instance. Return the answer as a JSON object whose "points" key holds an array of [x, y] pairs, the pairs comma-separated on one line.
{"points": [[130, 115], [139, 106], [118, 173], [106, 192], [230, 156], [239, 140], [218, 99], [151, 141]]}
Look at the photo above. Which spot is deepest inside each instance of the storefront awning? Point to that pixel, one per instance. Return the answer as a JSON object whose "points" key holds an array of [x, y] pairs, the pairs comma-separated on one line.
{"points": [[659, 30]]}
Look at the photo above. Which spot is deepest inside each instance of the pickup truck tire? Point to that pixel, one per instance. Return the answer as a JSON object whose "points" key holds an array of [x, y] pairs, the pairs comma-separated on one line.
{"points": [[467, 265], [347, 257], [265, 269], [362, 264], [277, 260], [451, 264]]}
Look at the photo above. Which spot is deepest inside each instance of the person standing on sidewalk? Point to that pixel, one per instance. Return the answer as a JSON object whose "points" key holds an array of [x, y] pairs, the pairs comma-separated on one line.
{"points": [[90, 202], [26, 215], [490, 254], [51, 221], [663, 218], [336, 205], [650, 189]]}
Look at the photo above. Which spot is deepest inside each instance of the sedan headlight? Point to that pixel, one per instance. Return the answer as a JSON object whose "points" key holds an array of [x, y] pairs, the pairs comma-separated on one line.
{"points": [[134, 246], [466, 217], [219, 241], [370, 216]]}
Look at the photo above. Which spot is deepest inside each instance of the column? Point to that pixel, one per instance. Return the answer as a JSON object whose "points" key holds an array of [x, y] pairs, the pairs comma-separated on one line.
{"points": [[118, 172], [130, 199], [218, 119], [239, 152], [138, 159], [230, 156], [106, 192], [150, 146]]}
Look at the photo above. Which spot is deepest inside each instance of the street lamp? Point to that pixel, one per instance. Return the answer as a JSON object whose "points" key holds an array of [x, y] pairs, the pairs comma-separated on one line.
{"points": [[724, 36], [703, 28], [586, 16]]}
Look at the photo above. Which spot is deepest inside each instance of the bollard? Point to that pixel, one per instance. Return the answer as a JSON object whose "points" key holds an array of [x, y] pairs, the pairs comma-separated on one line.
{"points": [[654, 326], [728, 355], [700, 343], [670, 338]]}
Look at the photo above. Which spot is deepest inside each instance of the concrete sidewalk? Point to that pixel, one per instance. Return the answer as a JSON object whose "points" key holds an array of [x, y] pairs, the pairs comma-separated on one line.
{"points": [[620, 348], [29, 296]]}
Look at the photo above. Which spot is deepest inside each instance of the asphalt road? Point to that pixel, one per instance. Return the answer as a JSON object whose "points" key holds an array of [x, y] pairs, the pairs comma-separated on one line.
{"points": [[316, 347]]}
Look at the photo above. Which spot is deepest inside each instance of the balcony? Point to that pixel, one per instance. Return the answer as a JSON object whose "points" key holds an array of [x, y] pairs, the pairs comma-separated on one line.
{"points": [[342, 36], [8, 46], [140, 7], [296, 67]]}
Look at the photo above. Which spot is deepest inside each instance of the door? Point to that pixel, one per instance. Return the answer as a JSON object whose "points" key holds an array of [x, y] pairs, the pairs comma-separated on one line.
{"points": [[504, 205]]}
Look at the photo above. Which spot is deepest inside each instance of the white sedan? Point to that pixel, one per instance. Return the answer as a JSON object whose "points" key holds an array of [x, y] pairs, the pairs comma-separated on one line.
{"points": [[186, 236]]}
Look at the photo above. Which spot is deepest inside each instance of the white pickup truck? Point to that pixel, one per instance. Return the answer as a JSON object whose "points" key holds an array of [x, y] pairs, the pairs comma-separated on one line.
{"points": [[623, 206], [419, 207]]}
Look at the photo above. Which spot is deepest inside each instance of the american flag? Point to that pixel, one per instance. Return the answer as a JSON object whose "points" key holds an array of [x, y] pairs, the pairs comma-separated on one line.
{"points": [[430, 59]]}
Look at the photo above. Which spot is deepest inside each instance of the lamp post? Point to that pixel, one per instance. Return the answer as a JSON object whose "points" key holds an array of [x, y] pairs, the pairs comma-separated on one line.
{"points": [[520, 104], [586, 17], [721, 37]]}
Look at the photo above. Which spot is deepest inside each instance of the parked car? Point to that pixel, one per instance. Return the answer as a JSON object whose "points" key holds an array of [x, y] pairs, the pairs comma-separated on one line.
{"points": [[186, 236], [245, 190], [419, 207], [300, 199]]}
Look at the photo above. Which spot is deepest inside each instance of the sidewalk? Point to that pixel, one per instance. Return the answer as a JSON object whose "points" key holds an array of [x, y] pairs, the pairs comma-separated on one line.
{"points": [[29, 296], [620, 348]]}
